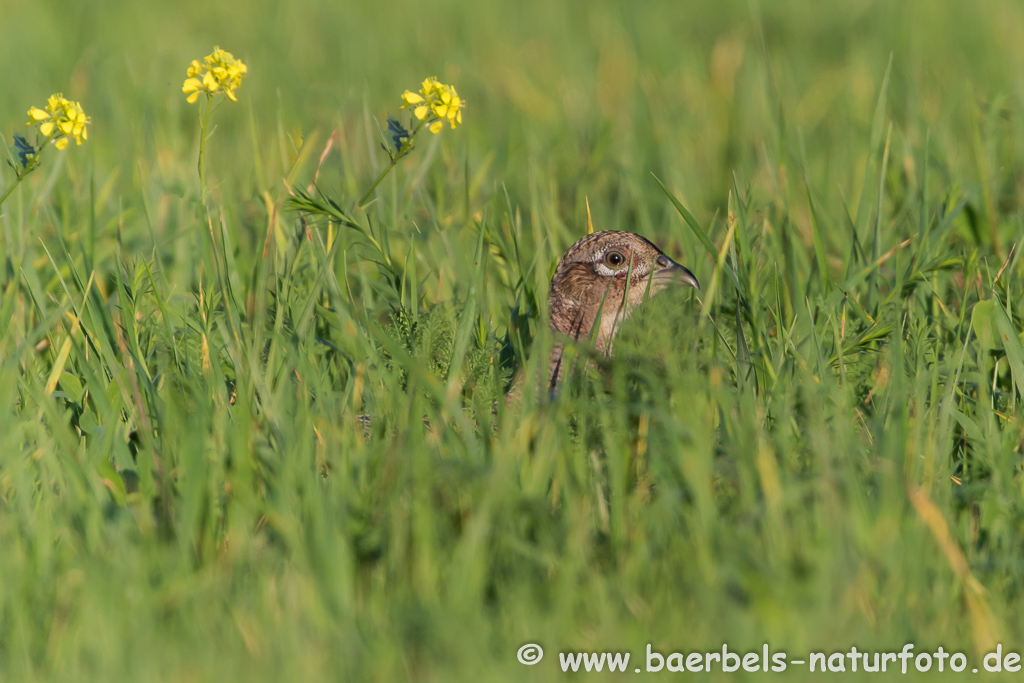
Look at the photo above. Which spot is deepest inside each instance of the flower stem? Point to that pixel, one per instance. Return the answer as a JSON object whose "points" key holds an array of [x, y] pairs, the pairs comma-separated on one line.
{"points": [[387, 169], [394, 162], [10, 189], [31, 166]]}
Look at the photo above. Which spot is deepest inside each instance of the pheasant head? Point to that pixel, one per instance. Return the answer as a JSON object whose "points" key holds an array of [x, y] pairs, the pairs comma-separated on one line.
{"points": [[600, 281]]}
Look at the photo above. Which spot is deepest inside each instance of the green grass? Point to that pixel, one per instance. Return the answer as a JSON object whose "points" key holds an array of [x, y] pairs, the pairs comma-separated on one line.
{"points": [[820, 450]]}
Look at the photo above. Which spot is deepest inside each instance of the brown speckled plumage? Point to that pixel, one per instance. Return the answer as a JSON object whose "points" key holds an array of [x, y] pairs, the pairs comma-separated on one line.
{"points": [[600, 281]]}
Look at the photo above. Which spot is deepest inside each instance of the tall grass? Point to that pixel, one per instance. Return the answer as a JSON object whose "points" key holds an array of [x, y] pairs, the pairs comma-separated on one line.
{"points": [[820, 449]]}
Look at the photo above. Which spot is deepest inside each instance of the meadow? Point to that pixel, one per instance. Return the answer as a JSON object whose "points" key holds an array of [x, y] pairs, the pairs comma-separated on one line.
{"points": [[820, 449]]}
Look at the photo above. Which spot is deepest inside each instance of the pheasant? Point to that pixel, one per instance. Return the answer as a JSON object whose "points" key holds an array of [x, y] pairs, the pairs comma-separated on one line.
{"points": [[599, 282]]}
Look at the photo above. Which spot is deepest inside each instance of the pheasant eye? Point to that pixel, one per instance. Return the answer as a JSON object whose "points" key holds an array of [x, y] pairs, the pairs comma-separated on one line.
{"points": [[614, 258]]}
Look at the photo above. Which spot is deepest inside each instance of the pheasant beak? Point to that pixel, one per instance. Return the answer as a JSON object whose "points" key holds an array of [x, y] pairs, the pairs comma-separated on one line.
{"points": [[668, 270]]}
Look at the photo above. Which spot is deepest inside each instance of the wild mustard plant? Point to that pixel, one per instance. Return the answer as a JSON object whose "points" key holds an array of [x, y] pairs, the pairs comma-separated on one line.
{"points": [[433, 105], [219, 73], [59, 122], [61, 119]]}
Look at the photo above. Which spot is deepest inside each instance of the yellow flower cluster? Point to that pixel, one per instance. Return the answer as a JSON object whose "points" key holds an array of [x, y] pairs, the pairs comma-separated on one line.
{"points": [[220, 73], [62, 119], [438, 101]]}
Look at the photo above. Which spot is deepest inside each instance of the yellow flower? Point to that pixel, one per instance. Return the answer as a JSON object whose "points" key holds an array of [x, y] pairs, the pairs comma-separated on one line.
{"points": [[437, 101], [410, 98], [218, 72], [448, 105], [62, 119]]}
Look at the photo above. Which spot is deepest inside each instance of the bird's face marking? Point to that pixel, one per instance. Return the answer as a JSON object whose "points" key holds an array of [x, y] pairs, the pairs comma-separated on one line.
{"points": [[613, 261], [607, 274]]}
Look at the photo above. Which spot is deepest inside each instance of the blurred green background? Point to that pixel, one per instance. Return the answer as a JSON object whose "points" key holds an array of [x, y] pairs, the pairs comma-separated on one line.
{"points": [[828, 456], [598, 93]]}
